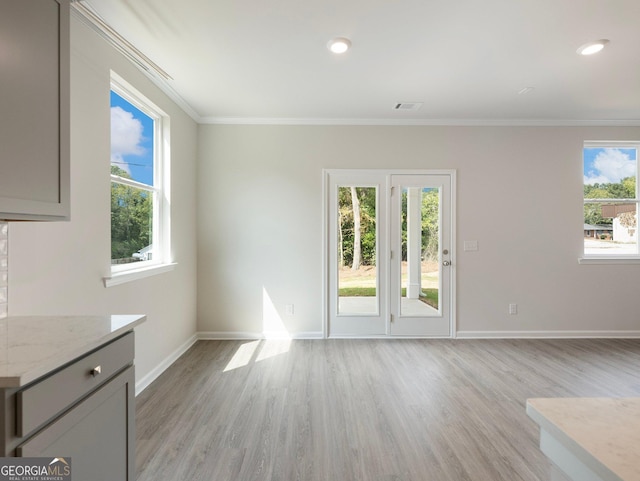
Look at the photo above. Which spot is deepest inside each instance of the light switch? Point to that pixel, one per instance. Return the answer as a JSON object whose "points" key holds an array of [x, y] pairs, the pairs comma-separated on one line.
{"points": [[471, 245]]}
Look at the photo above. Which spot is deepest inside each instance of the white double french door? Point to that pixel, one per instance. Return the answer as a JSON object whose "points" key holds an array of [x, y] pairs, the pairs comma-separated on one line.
{"points": [[390, 253]]}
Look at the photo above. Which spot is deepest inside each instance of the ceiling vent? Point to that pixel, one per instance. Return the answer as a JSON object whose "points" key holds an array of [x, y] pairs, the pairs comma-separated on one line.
{"points": [[407, 106]]}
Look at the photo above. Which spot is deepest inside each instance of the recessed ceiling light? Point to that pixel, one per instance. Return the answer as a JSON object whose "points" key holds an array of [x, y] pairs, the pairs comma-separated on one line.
{"points": [[339, 45], [592, 47]]}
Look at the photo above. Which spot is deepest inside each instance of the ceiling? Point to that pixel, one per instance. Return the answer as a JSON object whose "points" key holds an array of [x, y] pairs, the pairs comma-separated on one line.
{"points": [[257, 61]]}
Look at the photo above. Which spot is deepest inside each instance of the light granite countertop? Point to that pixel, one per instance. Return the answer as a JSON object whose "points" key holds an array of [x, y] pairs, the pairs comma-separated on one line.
{"points": [[602, 433], [32, 346]]}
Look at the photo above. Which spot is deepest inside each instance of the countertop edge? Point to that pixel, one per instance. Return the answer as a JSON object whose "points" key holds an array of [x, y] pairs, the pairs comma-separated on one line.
{"points": [[567, 440], [130, 321]]}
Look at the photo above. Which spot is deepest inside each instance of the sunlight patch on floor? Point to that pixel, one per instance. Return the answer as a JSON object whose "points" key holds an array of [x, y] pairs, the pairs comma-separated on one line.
{"points": [[277, 339], [273, 347], [243, 356], [256, 351]]}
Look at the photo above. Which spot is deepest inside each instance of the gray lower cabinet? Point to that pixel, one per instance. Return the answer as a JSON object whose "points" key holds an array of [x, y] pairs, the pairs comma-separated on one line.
{"points": [[84, 411], [93, 434]]}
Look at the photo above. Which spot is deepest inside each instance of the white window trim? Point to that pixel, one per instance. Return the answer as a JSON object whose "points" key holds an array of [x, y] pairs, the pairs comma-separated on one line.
{"points": [[135, 274], [161, 261], [614, 258], [601, 260]]}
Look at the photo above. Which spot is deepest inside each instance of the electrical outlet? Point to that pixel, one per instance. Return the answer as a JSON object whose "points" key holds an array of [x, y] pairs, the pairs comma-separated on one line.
{"points": [[288, 309], [513, 309], [471, 245]]}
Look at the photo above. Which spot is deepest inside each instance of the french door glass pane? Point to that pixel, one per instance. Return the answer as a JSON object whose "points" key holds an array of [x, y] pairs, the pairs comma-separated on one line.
{"points": [[420, 273], [357, 251]]}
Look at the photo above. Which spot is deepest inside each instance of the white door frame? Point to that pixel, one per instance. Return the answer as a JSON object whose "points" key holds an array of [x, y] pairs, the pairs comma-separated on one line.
{"points": [[327, 175], [428, 323], [373, 323]]}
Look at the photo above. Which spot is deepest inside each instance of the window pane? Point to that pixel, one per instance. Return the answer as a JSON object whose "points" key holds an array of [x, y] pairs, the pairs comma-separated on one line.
{"points": [[357, 248], [610, 173], [611, 230], [131, 224], [420, 281], [132, 141]]}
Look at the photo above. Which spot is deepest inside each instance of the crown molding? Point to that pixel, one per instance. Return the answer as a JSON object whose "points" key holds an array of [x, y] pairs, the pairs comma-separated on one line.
{"points": [[422, 122], [152, 71]]}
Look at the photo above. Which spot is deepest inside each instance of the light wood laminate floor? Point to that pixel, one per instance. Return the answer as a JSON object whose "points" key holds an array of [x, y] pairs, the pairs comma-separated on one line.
{"points": [[379, 410]]}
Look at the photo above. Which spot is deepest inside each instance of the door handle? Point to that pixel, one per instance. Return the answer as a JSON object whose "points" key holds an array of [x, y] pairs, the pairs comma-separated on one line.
{"points": [[446, 263]]}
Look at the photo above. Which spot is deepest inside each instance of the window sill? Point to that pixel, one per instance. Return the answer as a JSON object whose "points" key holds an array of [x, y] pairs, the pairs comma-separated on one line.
{"points": [[608, 260], [117, 278]]}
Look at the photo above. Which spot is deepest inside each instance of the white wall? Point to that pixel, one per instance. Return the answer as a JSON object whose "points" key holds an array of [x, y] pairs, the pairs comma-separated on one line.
{"points": [[519, 195], [57, 268]]}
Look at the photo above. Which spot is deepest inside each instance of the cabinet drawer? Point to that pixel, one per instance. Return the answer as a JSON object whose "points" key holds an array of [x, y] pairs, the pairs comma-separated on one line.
{"points": [[39, 403], [97, 434]]}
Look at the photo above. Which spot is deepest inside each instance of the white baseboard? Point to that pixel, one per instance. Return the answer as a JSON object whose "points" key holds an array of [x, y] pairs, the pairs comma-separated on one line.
{"points": [[547, 334], [228, 335], [242, 335], [143, 383]]}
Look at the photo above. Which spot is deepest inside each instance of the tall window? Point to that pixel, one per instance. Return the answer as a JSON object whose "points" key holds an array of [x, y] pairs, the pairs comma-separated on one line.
{"points": [[137, 194], [611, 200]]}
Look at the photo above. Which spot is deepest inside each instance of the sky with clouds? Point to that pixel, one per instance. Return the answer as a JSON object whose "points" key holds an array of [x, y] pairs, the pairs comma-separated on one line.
{"points": [[607, 165], [131, 140]]}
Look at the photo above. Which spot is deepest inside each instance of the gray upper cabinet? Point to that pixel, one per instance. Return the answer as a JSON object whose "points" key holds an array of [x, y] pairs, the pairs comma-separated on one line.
{"points": [[34, 109]]}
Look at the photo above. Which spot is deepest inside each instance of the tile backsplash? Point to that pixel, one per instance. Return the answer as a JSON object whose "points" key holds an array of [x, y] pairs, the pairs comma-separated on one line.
{"points": [[4, 269]]}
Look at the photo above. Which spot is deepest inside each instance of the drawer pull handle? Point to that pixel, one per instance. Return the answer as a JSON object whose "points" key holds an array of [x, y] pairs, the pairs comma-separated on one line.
{"points": [[96, 370]]}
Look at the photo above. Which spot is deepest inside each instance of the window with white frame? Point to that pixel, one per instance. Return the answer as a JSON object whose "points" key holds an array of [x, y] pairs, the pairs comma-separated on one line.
{"points": [[138, 184], [611, 200]]}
